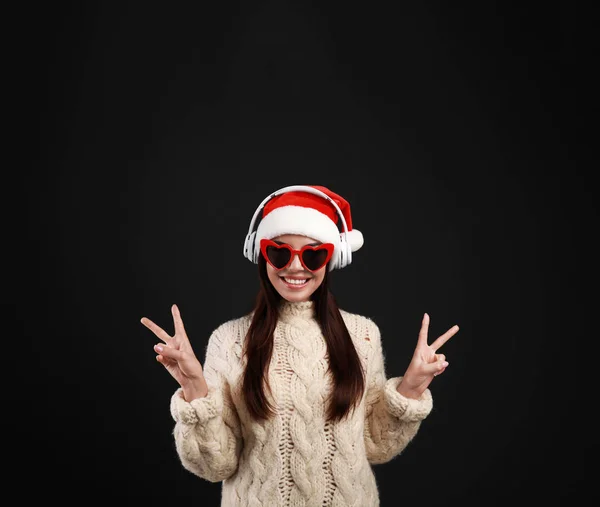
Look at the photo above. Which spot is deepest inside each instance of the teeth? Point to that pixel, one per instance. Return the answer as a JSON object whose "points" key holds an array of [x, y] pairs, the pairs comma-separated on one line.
{"points": [[295, 281]]}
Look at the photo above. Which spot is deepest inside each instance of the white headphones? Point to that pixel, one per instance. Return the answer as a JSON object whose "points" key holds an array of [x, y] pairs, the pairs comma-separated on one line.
{"points": [[342, 257]]}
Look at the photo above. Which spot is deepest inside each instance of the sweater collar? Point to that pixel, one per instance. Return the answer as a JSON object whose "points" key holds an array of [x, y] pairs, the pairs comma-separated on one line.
{"points": [[289, 311]]}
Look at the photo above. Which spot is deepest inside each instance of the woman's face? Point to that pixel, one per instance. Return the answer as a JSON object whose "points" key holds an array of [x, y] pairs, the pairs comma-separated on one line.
{"points": [[295, 283]]}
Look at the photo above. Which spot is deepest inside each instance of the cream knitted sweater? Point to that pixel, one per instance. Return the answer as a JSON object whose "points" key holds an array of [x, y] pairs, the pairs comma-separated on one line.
{"points": [[296, 458]]}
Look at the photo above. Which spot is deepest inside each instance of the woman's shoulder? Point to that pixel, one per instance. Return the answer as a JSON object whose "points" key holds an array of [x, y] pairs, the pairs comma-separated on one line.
{"points": [[234, 328], [357, 319], [361, 327], [234, 323], [231, 331], [228, 337]]}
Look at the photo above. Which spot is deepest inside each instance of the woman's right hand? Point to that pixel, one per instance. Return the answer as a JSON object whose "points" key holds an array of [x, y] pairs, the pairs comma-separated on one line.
{"points": [[175, 353]]}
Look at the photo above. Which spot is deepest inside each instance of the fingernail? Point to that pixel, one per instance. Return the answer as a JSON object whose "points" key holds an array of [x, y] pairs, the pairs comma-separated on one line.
{"points": [[158, 347], [444, 364]]}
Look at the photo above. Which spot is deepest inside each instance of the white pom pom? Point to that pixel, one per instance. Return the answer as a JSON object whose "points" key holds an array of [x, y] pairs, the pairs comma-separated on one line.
{"points": [[355, 239]]}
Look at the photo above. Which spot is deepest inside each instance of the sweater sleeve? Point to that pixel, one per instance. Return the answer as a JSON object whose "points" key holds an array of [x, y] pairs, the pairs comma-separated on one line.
{"points": [[207, 430], [392, 420]]}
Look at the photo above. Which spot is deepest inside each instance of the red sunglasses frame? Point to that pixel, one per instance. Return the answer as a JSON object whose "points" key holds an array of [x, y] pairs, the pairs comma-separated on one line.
{"points": [[264, 243]]}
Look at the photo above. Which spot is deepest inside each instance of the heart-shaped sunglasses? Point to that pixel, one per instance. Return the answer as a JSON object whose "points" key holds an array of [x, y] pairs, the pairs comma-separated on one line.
{"points": [[280, 255]]}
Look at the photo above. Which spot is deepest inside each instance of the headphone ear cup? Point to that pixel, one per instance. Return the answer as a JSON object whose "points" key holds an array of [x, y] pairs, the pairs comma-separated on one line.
{"points": [[246, 243], [335, 261], [348, 254], [249, 248], [256, 250], [345, 254], [340, 256]]}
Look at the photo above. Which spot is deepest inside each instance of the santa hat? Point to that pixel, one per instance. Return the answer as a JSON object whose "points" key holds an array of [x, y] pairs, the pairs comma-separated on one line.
{"points": [[308, 214]]}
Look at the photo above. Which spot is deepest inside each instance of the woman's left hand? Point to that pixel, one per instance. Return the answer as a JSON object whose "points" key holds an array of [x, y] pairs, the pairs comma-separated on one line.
{"points": [[426, 363]]}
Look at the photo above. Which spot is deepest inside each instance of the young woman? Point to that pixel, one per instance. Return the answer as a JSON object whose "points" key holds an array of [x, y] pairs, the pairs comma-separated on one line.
{"points": [[292, 405]]}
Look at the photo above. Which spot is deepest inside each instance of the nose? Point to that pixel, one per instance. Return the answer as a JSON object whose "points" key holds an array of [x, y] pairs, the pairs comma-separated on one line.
{"points": [[296, 264]]}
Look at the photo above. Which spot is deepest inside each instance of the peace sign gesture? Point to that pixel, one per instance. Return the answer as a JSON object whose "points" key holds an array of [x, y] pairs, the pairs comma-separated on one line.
{"points": [[426, 363], [175, 353]]}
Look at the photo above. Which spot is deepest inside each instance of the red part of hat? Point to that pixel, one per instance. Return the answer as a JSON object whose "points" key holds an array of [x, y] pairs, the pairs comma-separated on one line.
{"points": [[308, 200]]}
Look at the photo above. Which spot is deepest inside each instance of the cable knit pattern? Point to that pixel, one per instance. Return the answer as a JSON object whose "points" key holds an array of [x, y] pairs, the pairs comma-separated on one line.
{"points": [[296, 458]]}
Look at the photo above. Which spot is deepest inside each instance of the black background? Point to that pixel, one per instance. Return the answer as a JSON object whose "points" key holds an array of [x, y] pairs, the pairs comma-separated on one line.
{"points": [[451, 129]]}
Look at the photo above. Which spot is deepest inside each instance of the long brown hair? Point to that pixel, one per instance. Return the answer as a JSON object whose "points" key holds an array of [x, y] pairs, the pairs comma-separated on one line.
{"points": [[344, 363]]}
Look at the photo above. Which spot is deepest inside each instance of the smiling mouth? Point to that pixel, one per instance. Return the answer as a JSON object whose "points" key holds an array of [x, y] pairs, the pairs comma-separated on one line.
{"points": [[295, 282]]}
